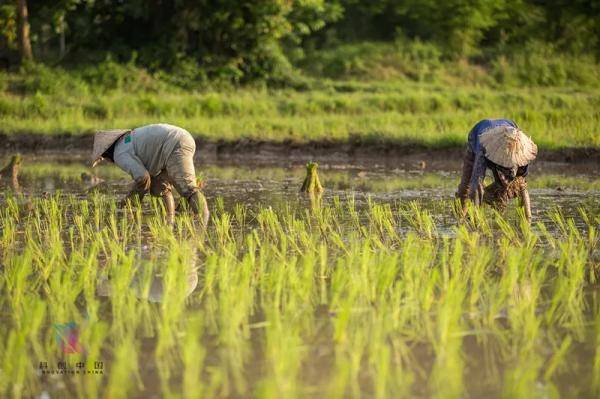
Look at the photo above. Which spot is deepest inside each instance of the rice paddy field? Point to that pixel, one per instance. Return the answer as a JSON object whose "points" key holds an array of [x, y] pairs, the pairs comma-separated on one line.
{"points": [[377, 288]]}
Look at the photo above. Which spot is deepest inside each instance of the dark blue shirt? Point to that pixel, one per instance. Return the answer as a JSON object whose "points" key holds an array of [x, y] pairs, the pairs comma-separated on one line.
{"points": [[480, 165], [484, 125]]}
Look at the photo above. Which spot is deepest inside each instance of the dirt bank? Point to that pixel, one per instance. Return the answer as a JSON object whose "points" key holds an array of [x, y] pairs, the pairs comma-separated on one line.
{"points": [[287, 151]]}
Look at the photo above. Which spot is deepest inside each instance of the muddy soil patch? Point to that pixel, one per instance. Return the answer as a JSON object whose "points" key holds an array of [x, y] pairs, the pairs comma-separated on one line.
{"points": [[391, 153]]}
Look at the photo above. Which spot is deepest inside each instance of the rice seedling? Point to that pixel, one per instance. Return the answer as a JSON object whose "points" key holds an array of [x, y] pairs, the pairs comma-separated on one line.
{"points": [[355, 297], [311, 182]]}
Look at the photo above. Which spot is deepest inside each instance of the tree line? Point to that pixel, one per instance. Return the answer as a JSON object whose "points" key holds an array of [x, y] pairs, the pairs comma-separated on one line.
{"points": [[244, 40]]}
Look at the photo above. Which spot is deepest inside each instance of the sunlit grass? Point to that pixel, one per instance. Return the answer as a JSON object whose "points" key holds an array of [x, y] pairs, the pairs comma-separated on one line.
{"points": [[435, 116]]}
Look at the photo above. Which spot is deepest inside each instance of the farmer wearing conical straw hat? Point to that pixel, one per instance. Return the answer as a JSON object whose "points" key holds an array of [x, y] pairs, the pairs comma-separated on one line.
{"points": [[158, 157], [497, 144]]}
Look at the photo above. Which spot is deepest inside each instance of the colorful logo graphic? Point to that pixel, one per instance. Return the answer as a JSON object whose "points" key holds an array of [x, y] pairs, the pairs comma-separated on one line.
{"points": [[67, 337]]}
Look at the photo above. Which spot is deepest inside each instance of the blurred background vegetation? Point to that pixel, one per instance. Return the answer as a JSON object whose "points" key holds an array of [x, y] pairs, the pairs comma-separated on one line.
{"points": [[303, 69], [199, 42]]}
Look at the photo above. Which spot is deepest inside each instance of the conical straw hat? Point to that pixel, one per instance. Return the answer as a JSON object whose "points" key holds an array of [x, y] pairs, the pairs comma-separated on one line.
{"points": [[508, 146], [103, 139]]}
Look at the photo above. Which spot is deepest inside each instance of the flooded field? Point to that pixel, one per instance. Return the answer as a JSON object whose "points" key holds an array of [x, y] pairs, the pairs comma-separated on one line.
{"points": [[377, 288]]}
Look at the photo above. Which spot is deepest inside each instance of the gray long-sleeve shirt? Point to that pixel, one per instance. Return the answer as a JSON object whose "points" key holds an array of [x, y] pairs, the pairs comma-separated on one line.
{"points": [[147, 149]]}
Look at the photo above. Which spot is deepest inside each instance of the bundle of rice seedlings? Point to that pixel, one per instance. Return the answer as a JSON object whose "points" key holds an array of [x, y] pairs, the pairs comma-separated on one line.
{"points": [[498, 196], [311, 183], [11, 171]]}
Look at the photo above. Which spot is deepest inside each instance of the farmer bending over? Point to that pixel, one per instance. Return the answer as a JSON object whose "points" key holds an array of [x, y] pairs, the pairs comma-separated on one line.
{"points": [[497, 144], [157, 157]]}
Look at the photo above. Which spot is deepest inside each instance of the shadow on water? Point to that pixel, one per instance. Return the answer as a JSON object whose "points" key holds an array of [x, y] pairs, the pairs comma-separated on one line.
{"points": [[148, 281]]}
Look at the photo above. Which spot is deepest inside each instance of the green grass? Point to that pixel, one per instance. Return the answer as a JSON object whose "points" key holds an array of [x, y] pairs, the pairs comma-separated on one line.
{"points": [[433, 114]]}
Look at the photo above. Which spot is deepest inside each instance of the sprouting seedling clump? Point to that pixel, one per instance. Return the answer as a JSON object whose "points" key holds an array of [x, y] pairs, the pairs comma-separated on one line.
{"points": [[11, 171], [311, 182]]}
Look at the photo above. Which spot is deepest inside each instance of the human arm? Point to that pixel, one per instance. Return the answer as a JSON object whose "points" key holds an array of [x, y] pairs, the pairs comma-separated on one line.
{"points": [[477, 177], [526, 203], [131, 164]]}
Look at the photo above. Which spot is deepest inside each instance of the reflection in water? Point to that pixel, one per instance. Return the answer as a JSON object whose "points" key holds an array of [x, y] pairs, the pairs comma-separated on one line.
{"points": [[93, 183], [316, 201], [149, 280]]}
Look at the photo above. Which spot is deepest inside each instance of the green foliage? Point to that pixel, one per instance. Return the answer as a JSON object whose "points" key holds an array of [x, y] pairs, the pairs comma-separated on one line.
{"points": [[8, 26], [38, 78], [186, 73], [533, 64], [234, 41], [218, 43], [467, 27], [414, 60], [458, 25], [539, 64], [110, 75]]}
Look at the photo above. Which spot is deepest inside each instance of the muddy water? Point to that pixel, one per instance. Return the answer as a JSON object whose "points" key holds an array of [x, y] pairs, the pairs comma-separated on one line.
{"points": [[276, 183], [259, 185]]}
